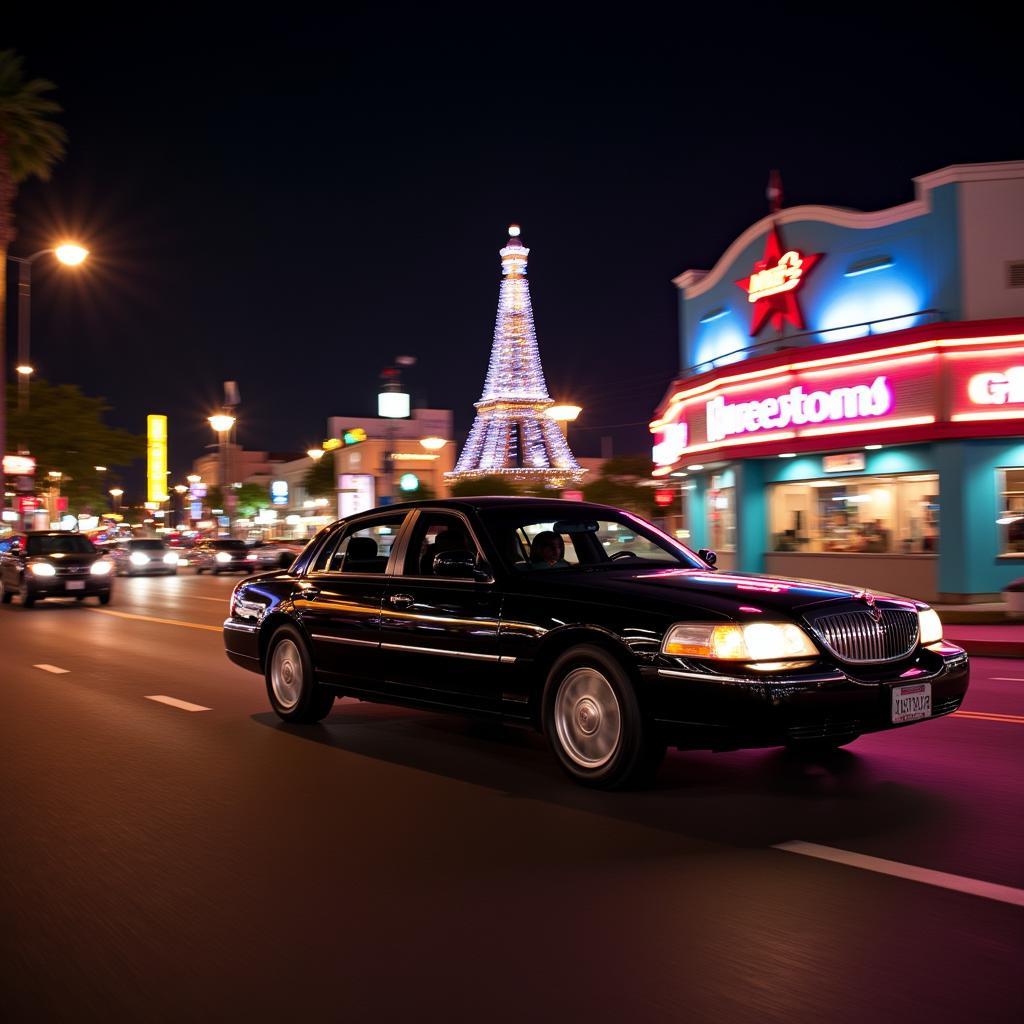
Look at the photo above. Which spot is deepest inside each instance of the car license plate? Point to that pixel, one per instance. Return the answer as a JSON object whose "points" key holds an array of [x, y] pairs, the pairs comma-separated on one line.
{"points": [[909, 703], [75, 585]]}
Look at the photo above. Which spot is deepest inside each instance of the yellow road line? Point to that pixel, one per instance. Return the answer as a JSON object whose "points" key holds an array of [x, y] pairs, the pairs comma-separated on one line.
{"points": [[150, 618], [990, 716]]}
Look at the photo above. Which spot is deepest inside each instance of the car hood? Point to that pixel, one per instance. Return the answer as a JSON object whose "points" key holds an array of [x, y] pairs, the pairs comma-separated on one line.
{"points": [[66, 561], [734, 595]]}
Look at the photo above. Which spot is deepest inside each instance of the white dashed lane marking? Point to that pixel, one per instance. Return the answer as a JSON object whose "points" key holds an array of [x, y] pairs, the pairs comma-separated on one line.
{"points": [[175, 703], [56, 670], [959, 883]]}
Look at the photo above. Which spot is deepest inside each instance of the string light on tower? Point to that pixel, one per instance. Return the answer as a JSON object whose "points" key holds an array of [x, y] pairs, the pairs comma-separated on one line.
{"points": [[512, 435]]}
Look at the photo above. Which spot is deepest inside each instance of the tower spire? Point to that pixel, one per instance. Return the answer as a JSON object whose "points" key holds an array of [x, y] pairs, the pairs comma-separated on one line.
{"points": [[511, 434]]}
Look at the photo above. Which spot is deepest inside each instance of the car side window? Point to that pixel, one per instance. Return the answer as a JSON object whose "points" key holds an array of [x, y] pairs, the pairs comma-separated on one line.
{"points": [[436, 533], [362, 547]]}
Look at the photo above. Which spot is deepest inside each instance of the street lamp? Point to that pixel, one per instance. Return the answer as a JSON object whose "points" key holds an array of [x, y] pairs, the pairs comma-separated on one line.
{"points": [[316, 454], [563, 415], [222, 424], [433, 444], [115, 494], [70, 255]]}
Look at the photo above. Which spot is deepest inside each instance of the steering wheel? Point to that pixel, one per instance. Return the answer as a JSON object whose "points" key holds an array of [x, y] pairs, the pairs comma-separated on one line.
{"points": [[622, 554]]}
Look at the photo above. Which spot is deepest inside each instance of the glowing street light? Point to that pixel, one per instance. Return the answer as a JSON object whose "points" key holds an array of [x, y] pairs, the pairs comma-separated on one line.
{"points": [[25, 371], [316, 454], [115, 494], [194, 478], [70, 255], [433, 444], [222, 423], [563, 415]]}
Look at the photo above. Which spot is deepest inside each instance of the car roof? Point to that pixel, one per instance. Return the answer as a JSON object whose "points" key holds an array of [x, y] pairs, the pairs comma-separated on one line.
{"points": [[486, 501]]}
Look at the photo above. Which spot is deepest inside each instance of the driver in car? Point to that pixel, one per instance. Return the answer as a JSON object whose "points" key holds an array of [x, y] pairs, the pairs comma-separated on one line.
{"points": [[548, 551]]}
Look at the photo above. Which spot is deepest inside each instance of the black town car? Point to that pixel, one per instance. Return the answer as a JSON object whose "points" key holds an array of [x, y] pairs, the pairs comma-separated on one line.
{"points": [[591, 624], [53, 563]]}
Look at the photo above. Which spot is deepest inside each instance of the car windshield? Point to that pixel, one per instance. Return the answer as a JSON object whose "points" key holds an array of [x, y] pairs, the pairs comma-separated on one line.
{"points": [[71, 544], [229, 545], [146, 545], [580, 540]]}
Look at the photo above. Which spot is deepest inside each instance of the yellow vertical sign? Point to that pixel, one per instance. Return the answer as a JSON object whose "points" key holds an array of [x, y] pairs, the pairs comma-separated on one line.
{"points": [[156, 458]]}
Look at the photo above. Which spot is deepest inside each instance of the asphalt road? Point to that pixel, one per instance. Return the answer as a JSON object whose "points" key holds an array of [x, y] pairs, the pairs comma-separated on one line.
{"points": [[158, 863]]}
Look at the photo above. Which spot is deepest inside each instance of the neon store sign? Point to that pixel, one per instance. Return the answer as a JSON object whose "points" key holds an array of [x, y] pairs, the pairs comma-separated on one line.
{"points": [[997, 388], [772, 285], [797, 407]]}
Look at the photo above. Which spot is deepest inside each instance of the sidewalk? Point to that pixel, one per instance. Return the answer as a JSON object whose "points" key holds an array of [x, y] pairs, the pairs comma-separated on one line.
{"points": [[989, 641]]}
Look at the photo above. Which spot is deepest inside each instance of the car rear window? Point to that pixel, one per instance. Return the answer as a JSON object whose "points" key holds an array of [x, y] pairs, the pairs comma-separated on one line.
{"points": [[229, 545], [146, 545], [72, 544]]}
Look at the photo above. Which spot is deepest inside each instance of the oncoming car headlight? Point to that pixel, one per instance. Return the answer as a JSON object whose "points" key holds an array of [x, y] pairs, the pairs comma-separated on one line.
{"points": [[42, 569], [171, 558], [100, 568], [733, 641], [930, 625], [223, 556], [138, 558]]}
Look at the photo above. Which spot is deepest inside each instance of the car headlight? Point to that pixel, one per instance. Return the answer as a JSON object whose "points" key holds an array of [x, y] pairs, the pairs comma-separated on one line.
{"points": [[99, 568], [42, 569], [223, 556], [733, 641], [171, 558], [930, 625], [138, 558]]}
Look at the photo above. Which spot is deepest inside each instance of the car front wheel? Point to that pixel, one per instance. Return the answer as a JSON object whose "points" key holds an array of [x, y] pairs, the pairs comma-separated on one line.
{"points": [[5, 594], [294, 693], [592, 720]]}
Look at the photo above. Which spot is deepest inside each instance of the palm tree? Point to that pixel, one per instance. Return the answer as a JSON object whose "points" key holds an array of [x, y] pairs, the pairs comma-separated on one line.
{"points": [[30, 144]]}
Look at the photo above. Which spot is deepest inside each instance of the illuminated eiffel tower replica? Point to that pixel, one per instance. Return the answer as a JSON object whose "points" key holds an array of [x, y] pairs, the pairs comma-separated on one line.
{"points": [[511, 435]]}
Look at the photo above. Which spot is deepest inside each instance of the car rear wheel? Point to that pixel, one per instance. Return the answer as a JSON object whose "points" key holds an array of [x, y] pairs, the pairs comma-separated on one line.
{"points": [[592, 720], [294, 693], [5, 594], [104, 598], [27, 599]]}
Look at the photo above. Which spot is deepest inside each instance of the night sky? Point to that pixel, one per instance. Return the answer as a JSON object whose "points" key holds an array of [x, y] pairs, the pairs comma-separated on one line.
{"points": [[290, 203]]}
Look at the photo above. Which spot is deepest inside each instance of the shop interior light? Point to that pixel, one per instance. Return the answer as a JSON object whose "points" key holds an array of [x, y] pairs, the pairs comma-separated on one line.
{"points": [[872, 447], [695, 468], [787, 455]]}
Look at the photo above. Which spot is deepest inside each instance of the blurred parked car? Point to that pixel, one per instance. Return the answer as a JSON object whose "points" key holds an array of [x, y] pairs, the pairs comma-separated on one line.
{"points": [[143, 556], [53, 563], [274, 554], [224, 554]]}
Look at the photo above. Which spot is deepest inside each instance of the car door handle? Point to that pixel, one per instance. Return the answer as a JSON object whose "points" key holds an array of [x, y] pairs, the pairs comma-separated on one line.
{"points": [[401, 600]]}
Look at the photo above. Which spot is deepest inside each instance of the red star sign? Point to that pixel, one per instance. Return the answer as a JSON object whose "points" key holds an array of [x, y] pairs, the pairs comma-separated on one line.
{"points": [[773, 284]]}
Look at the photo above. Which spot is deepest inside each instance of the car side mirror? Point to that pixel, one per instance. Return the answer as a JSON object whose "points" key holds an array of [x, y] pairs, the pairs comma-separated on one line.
{"points": [[460, 565], [709, 556]]}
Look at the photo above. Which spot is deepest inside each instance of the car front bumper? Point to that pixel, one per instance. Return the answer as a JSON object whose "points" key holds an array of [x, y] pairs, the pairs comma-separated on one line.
{"points": [[56, 586], [695, 709]]}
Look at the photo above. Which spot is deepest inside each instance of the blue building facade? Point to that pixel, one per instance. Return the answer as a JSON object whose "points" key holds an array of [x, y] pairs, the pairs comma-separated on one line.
{"points": [[851, 399]]}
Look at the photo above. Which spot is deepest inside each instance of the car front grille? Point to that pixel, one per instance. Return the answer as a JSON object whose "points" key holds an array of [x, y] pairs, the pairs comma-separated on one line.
{"points": [[858, 637]]}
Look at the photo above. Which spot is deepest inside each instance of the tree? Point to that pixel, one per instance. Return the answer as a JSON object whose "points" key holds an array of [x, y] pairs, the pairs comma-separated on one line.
{"points": [[64, 430], [477, 486], [250, 499], [319, 478], [624, 483], [30, 144]]}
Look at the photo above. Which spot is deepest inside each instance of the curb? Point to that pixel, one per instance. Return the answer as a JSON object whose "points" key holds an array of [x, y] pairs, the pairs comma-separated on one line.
{"points": [[991, 648]]}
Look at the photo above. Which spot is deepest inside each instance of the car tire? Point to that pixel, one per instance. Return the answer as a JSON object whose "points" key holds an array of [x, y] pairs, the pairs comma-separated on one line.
{"points": [[27, 599], [104, 598], [593, 722], [199, 572], [295, 695], [5, 594]]}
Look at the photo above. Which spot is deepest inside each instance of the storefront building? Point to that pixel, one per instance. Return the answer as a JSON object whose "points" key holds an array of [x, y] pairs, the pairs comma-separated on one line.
{"points": [[852, 400]]}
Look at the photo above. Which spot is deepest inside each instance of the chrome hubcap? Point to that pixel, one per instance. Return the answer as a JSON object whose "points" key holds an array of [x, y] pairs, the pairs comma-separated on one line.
{"points": [[587, 718], [286, 674]]}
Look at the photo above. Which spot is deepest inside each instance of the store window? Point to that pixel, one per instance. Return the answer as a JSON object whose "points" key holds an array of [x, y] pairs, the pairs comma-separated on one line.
{"points": [[1011, 511], [722, 511], [871, 515]]}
